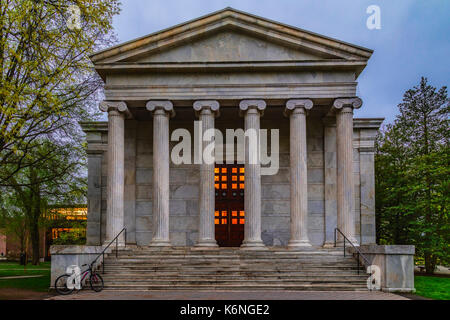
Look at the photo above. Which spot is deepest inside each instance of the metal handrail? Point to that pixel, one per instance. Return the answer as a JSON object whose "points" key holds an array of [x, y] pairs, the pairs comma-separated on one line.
{"points": [[102, 254], [358, 252]]}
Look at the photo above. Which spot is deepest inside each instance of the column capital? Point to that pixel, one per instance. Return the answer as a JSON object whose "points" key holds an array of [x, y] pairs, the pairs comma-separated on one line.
{"points": [[341, 103], [117, 106], [166, 105], [212, 105], [246, 105], [291, 105]]}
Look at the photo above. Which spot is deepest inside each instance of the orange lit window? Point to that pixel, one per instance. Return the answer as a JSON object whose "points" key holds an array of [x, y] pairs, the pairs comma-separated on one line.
{"points": [[224, 170], [216, 221], [242, 170], [234, 178], [234, 170], [224, 178], [241, 221], [224, 221], [233, 221], [224, 186], [234, 186], [216, 213], [216, 178], [216, 170], [224, 213], [217, 186], [241, 186], [242, 178], [234, 213], [242, 213]]}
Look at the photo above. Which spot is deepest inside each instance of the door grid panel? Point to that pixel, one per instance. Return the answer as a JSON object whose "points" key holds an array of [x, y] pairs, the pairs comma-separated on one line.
{"points": [[229, 215]]}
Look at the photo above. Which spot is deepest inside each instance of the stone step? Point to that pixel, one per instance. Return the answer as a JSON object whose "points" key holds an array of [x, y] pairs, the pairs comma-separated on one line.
{"points": [[322, 278], [205, 257], [249, 260], [232, 269], [242, 287], [261, 273]]}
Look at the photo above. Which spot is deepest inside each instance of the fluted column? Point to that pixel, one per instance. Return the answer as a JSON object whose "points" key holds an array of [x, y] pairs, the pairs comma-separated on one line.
{"points": [[345, 184], [206, 110], [296, 109], [252, 111], [117, 112], [161, 110]]}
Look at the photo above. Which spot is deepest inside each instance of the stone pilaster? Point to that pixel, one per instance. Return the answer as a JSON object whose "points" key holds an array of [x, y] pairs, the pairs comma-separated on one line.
{"points": [[117, 111], [93, 229], [330, 170], [161, 110], [296, 110], [252, 110], [206, 110], [345, 185]]}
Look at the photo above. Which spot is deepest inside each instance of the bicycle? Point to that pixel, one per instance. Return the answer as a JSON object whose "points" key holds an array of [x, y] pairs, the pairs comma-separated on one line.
{"points": [[95, 281]]}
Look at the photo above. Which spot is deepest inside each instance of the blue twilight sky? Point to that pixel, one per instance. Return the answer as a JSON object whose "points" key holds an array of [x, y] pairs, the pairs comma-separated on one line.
{"points": [[413, 40]]}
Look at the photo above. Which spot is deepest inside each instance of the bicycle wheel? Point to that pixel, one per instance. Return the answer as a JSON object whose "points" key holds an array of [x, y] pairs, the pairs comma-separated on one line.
{"points": [[96, 282], [61, 285]]}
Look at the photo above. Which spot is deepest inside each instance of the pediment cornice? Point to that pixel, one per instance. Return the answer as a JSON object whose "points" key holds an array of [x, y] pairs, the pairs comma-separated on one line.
{"points": [[230, 19]]}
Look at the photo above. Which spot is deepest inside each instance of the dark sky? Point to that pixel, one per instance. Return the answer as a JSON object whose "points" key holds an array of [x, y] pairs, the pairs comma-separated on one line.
{"points": [[413, 40]]}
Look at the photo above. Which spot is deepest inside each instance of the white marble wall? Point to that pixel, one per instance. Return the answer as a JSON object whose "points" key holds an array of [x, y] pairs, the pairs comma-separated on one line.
{"points": [[275, 206]]}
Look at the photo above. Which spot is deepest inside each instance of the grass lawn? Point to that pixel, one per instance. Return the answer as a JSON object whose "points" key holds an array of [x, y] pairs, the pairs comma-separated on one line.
{"points": [[432, 287], [10, 269]]}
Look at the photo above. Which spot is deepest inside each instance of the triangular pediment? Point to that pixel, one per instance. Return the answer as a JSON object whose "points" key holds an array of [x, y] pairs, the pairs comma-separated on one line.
{"points": [[230, 36], [229, 46]]}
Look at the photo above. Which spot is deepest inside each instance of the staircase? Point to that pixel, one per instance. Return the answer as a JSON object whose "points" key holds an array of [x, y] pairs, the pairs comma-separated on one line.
{"points": [[231, 269]]}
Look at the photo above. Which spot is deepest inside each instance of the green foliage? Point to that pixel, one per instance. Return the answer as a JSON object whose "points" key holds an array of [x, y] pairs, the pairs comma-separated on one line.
{"points": [[432, 287], [412, 176], [77, 236], [47, 82], [47, 85]]}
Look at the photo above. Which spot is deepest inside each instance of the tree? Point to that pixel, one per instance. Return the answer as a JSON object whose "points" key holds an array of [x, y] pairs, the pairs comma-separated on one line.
{"points": [[12, 219], [47, 83], [58, 180], [412, 175]]}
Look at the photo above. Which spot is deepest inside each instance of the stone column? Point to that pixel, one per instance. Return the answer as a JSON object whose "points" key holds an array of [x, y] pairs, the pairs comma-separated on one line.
{"points": [[117, 111], [162, 111], [296, 110], [206, 110], [345, 184], [252, 110]]}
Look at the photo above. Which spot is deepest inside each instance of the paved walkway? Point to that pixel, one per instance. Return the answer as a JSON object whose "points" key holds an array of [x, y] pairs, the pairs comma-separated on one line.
{"points": [[21, 277], [222, 295]]}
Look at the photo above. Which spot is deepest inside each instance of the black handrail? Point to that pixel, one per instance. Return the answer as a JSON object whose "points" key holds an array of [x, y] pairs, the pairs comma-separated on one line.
{"points": [[358, 252], [102, 254]]}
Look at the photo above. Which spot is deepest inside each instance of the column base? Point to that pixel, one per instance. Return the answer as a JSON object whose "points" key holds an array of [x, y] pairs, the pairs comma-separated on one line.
{"points": [[253, 245], [121, 244], [299, 244], [206, 243], [328, 245], [159, 243], [340, 243]]}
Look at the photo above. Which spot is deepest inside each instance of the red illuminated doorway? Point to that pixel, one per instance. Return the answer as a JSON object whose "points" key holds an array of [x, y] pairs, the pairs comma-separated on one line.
{"points": [[229, 215]]}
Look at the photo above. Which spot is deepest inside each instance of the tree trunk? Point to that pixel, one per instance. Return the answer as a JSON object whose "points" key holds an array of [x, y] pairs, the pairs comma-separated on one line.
{"points": [[430, 263], [34, 233], [35, 215]]}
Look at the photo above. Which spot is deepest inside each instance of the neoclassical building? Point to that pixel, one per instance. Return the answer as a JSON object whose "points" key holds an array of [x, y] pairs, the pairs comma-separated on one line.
{"points": [[232, 70]]}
